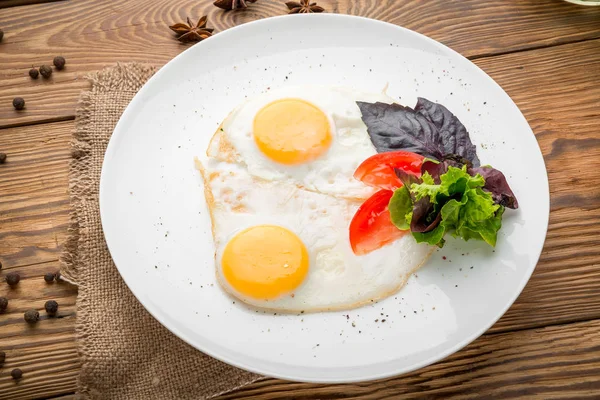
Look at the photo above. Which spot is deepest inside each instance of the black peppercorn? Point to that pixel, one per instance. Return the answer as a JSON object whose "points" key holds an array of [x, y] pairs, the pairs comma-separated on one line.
{"points": [[13, 278], [2, 161], [16, 374], [3, 304], [32, 316], [2, 358], [49, 277], [18, 103], [59, 62], [51, 307], [46, 71], [34, 73]]}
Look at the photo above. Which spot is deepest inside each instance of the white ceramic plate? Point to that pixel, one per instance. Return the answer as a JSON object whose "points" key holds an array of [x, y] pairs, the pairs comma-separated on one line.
{"points": [[158, 230]]}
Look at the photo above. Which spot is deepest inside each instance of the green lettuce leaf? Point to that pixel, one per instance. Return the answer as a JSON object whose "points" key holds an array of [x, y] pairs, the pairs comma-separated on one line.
{"points": [[426, 188], [486, 230], [455, 180], [479, 206], [400, 207], [467, 211], [434, 237]]}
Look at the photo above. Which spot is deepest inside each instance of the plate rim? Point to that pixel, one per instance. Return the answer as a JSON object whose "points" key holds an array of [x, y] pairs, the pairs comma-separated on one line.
{"points": [[118, 130]]}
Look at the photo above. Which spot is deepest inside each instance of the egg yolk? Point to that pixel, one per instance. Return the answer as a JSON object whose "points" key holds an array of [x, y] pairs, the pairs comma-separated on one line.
{"points": [[291, 131], [265, 262]]}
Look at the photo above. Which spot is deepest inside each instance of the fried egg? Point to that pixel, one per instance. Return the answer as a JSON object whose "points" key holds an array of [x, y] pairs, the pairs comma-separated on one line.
{"points": [[311, 136], [284, 248]]}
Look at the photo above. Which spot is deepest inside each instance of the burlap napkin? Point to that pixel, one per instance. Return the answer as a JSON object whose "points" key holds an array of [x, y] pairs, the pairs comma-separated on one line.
{"points": [[125, 353]]}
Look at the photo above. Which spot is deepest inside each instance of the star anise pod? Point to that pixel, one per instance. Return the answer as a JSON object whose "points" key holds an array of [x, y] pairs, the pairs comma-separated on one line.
{"points": [[232, 4], [303, 7], [190, 33]]}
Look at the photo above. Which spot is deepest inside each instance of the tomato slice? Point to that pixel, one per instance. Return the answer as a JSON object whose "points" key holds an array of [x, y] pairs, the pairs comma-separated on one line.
{"points": [[378, 170], [371, 226]]}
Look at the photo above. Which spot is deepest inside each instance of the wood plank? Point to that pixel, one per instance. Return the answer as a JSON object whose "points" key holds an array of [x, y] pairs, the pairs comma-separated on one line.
{"points": [[49, 369], [510, 365], [94, 33], [15, 3], [46, 352], [34, 205]]}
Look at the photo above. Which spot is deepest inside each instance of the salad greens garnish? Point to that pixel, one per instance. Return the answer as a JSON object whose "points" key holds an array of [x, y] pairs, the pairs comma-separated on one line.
{"points": [[454, 194]]}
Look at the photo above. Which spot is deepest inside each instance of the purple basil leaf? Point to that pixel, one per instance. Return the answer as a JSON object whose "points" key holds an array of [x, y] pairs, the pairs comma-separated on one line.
{"points": [[456, 139], [430, 130], [406, 178], [496, 184], [457, 161], [393, 127], [424, 218], [434, 169]]}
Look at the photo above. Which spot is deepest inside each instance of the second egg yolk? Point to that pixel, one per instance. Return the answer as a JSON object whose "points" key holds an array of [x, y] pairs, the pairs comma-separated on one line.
{"points": [[291, 131], [265, 262]]}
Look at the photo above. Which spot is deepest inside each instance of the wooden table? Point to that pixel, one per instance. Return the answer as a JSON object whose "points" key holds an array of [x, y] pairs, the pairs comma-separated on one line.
{"points": [[544, 53]]}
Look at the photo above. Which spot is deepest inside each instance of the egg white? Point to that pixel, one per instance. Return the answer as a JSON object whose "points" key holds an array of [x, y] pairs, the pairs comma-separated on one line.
{"points": [[337, 279], [332, 172]]}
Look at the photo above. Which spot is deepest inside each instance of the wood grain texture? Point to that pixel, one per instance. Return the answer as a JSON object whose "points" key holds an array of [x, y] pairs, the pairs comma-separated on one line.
{"points": [[557, 88], [511, 365], [15, 3], [34, 204], [46, 352], [49, 369], [94, 33]]}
